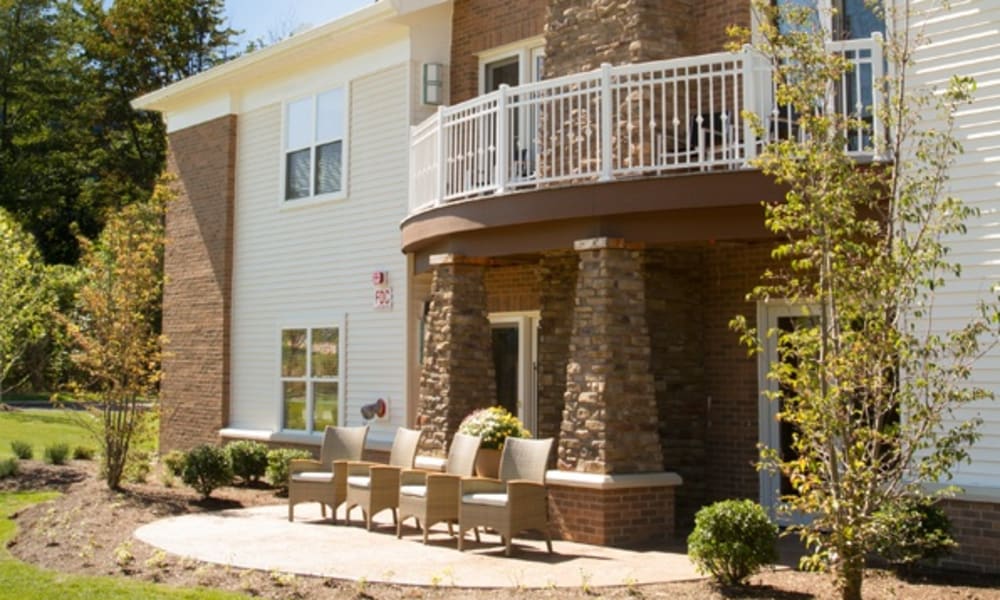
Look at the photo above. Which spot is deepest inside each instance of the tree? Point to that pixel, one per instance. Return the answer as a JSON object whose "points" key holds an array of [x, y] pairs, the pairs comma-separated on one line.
{"points": [[25, 299], [72, 149], [868, 383], [115, 326]]}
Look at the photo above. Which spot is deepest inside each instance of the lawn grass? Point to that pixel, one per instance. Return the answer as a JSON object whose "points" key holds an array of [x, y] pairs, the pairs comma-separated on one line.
{"points": [[27, 582], [43, 427]]}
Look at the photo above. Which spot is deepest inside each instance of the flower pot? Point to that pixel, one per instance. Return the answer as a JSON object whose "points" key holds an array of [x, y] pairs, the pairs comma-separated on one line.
{"points": [[488, 463]]}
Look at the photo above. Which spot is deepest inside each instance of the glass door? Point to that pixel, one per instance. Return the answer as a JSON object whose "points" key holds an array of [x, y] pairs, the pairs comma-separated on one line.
{"points": [[515, 345]]}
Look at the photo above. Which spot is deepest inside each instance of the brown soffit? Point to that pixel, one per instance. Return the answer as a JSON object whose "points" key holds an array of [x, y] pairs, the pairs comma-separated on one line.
{"points": [[703, 206]]}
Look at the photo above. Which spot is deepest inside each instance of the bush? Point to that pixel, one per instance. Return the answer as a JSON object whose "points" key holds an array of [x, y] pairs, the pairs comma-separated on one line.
{"points": [[732, 540], [83, 453], [206, 468], [9, 467], [493, 426], [56, 454], [138, 466], [22, 449], [249, 459], [174, 462], [277, 465], [914, 531]]}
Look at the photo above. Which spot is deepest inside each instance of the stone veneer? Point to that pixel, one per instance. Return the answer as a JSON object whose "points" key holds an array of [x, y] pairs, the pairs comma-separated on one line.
{"points": [[609, 420], [582, 34], [457, 375], [558, 270], [197, 295]]}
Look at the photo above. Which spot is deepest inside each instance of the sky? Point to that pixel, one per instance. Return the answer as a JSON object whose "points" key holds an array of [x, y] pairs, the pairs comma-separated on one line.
{"points": [[271, 20]]}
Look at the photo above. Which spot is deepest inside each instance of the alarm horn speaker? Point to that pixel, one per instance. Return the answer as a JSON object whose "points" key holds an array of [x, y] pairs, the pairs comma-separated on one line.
{"points": [[374, 410]]}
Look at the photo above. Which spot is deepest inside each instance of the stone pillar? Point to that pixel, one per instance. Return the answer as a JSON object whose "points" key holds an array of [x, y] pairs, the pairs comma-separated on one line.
{"points": [[610, 418], [457, 375], [557, 271]]}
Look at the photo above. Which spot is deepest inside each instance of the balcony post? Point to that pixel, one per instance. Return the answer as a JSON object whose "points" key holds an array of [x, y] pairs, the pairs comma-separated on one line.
{"points": [[441, 160], [502, 150], [749, 103], [877, 89], [606, 123]]}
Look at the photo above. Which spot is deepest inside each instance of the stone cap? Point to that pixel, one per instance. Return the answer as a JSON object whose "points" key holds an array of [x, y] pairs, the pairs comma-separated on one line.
{"points": [[602, 243], [613, 481], [457, 259]]}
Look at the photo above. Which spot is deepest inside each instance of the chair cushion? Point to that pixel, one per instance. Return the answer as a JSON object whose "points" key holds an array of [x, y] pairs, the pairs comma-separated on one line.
{"points": [[313, 476], [418, 491], [359, 481], [486, 499]]}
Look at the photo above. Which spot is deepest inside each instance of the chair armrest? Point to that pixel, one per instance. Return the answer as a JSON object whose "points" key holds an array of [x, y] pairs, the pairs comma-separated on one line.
{"points": [[525, 490], [298, 465], [412, 477], [384, 475], [358, 467], [481, 485], [443, 485]]}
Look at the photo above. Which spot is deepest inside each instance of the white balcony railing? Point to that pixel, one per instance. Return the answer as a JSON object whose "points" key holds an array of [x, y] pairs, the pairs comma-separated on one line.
{"points": [[618, 122]]}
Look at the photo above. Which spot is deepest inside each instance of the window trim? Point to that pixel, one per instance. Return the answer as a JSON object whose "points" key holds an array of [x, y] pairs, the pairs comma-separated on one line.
{"points": [[524, 50], [284, 151], [309, 325]]}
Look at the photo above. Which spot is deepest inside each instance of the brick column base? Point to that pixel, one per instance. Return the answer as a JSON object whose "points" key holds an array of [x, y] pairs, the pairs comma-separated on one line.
{"points": [[612, 510]]}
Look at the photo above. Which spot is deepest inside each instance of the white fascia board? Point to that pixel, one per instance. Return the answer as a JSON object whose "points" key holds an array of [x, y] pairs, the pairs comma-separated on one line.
{"points": [[286, 53]]}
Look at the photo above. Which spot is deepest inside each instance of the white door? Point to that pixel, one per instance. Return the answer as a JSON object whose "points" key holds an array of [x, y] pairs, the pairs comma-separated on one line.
{"points": [[515, 346], [773, 317]]}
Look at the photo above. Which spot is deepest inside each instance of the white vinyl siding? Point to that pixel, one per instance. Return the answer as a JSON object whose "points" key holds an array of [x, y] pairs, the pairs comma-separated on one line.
{"points": [[963, 40], [314, 263]]}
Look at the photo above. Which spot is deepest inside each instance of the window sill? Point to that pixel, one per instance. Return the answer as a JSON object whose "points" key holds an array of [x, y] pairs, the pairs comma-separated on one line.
{"points": [[310, 201]]}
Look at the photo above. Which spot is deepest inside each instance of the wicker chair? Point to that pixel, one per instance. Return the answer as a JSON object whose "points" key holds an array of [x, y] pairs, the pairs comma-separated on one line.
{"points": [[433, 497], [514, 503], [375, 487], [317, 480]]}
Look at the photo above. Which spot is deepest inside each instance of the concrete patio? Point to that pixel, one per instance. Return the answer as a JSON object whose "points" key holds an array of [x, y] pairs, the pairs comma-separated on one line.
{"points": [[262, 538]]}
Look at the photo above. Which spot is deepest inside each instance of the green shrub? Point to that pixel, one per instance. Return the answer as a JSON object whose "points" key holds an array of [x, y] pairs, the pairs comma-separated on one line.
{"points": [[9, 467], [83, 453], [249, 459], [732, 540], [22, 449], [277, 465], [206, 468], [138, 466], [174, 462], [57, 454], [913, 531]]}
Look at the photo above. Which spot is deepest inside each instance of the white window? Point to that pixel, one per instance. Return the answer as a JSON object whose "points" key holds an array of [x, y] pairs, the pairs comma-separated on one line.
{"points": [[314, 145], [310, 378]]}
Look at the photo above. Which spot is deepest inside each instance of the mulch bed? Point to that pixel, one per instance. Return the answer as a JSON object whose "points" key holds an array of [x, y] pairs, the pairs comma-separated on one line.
{"points": [[88, 530]]}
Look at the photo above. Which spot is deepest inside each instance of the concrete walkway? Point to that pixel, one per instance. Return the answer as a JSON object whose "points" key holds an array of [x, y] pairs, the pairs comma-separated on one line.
{"points": [[262, 538]]}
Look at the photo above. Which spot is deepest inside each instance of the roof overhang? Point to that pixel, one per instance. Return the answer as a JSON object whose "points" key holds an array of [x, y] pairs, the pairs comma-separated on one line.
{"points": [[380, 18]]}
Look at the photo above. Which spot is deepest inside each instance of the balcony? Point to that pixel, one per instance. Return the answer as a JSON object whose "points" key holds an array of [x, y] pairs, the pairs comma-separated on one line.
{"points": [[616, 123]]}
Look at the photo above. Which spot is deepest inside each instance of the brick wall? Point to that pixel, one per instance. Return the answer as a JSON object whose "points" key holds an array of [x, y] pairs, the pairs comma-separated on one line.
{"points": [[479, 25], [676, 316], [616, 517], [197, 295], [730, 271], [512, 288], [976, 528], [713, 17]]}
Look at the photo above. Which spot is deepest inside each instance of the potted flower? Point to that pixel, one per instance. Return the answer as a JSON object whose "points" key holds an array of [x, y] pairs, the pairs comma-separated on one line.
{"points": [[493, 425]]}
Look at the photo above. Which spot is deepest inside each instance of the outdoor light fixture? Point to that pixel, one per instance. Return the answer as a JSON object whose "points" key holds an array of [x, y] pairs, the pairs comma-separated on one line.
{"points": [[433, 83], [375, 409]]}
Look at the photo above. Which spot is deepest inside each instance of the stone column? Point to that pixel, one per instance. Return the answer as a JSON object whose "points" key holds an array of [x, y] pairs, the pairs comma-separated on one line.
{"points": [[557, 271], [610, 418], [457, 375]]}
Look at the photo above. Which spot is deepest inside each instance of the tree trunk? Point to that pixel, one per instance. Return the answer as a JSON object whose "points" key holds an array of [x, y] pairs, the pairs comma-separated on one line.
{"points": [[852, 575]]}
